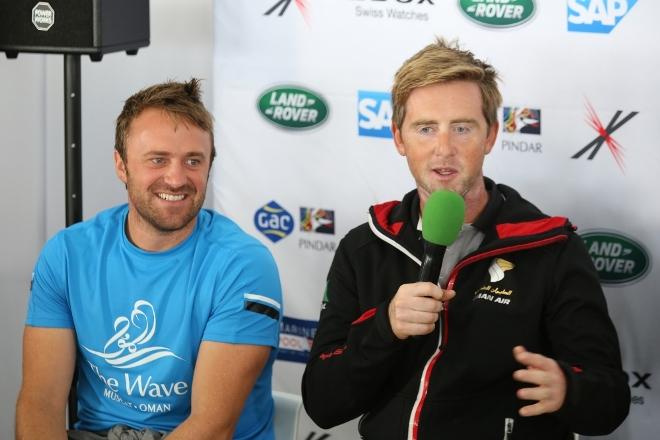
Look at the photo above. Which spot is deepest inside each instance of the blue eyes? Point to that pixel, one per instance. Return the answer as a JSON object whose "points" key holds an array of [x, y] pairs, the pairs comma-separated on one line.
{"points": [[457, 129]]}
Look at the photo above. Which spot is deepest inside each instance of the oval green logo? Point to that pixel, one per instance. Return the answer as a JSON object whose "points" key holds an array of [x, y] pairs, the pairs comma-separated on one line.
{"points": [[498, 13], [293, 107], [618, 259]]}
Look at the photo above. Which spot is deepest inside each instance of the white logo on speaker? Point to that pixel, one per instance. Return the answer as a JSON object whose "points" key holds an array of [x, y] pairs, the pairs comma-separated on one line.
{"points": [[497, 269], [124, 351], [43, 16]]}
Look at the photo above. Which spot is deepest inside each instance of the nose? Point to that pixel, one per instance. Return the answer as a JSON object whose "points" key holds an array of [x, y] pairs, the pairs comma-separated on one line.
{"points": [[442, 145], [175, 175]]}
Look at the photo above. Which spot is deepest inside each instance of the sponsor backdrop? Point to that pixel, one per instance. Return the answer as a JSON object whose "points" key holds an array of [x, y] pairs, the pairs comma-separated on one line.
{"points": [[303, 110]]}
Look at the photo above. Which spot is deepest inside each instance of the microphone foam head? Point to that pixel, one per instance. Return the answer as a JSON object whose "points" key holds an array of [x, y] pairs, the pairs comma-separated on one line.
{"points": [[443, 217]]}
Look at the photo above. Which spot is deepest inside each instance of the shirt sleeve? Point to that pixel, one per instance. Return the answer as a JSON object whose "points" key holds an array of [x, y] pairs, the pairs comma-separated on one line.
{"points": [[247, 300], [48, 305]]}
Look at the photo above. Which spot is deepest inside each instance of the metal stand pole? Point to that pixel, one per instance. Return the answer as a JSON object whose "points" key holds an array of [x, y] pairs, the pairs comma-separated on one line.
{"points": [[73, 172], [72, 139]]}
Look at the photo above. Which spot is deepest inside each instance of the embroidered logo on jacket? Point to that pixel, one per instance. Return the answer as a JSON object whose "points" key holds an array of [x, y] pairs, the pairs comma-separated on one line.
{"points": [[497, 269], [128, 348]]}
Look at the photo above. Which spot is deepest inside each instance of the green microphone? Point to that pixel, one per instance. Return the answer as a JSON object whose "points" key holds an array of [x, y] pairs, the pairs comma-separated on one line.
{"points": [[442, 220]]}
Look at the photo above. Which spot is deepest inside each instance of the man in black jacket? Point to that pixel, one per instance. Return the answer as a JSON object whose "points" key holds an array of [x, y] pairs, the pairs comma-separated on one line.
{"points": [[514, 341]]}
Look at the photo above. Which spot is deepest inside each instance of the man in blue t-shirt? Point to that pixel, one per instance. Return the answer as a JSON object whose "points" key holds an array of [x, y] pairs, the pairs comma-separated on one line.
{"points": [[168, 312]]}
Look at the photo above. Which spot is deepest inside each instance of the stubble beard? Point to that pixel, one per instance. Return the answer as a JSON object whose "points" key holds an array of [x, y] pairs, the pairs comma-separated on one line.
{"points": [[159, 218]]}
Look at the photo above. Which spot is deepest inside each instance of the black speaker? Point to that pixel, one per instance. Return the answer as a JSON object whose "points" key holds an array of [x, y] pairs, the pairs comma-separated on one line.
{"points": [[93, 27]]}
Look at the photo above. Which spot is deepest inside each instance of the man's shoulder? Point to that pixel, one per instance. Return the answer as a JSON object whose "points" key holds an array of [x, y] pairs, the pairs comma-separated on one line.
{"points": [[216, 229], [88, 232]]}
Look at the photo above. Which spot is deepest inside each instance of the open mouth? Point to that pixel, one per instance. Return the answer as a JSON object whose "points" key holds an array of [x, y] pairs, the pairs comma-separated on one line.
{"points": [[171, 197], [444, 172]]}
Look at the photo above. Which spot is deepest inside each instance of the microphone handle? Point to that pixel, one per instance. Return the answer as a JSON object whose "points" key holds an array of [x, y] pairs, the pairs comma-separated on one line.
{"points": [[431, 262]]}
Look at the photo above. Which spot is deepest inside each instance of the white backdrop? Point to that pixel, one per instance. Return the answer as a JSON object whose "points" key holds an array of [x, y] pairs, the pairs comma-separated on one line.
{"points": [[301, 100]]}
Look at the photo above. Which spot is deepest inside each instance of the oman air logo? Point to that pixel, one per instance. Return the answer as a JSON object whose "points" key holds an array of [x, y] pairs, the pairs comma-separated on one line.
{"points": [[605, 135], [498, 13], [374, 114], [293, 107], [128, 347], [597, 16], [497, 269], [618, 259], [43, 16], [281, 6], [317, 220], [273, 221], [521, 120]]}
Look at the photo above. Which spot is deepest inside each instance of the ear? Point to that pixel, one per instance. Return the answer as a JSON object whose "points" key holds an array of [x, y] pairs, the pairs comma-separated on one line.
{"points": [[492, 135], [398, 140], [120, 168]]}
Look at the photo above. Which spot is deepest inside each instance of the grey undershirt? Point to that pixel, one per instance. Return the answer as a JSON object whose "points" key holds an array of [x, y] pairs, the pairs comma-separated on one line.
{"points": [[468, 241]]}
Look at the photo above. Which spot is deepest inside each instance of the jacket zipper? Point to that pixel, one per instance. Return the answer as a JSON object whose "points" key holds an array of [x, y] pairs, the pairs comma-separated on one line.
{"points": [[413, 424]]}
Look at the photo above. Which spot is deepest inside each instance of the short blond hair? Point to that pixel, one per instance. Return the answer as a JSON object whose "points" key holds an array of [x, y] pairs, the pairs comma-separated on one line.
{"points": [[441, 62]]}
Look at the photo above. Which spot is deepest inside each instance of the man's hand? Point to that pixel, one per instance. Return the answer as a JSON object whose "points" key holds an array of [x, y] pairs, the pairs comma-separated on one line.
{"points": [[415, 307], [545, 373]]}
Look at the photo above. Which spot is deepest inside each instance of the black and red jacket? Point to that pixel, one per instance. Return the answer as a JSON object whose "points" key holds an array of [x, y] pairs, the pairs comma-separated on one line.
{"points": [[456, 383]]}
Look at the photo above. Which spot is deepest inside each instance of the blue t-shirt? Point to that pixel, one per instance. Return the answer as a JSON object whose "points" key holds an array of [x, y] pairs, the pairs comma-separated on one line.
{"points": [[139, 317]]}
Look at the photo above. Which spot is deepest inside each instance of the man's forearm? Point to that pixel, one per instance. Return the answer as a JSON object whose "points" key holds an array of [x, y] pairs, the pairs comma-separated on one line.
{"points": [[36, 419]]}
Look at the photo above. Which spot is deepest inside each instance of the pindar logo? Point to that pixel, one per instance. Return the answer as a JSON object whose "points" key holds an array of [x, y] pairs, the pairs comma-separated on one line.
{"points": [[128, 347], [521, 120], [498, 13], [605, 135], [293, 107], [618, 259]]}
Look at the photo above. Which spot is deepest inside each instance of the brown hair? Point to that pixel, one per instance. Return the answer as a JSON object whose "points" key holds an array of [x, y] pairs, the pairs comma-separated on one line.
{"points": [[442, 62], [181, 100]]}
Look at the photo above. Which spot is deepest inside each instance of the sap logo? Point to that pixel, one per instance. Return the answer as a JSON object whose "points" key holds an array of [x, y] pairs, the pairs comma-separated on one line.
{"points": [[273, 221], [597, 16], [374, 114]]}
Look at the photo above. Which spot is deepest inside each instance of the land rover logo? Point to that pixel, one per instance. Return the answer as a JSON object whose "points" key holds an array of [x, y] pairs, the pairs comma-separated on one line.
{"points": [[498, 13], [43, 16], [293, 107], [618, 259]]}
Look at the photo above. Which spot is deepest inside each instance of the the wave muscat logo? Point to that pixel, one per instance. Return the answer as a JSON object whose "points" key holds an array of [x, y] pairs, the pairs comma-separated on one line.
{"points": [[618, 259], [605, 135], [498, 13], [293, 107], [597, 16], [321, 221], [374, 114], [128, 348], [273, 221]]}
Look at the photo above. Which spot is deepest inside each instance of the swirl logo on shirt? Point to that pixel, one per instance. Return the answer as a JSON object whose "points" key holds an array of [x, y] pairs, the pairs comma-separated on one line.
{"points": [[126, 348]]}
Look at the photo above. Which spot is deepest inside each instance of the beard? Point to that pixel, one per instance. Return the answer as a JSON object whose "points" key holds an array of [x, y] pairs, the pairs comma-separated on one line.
{"points": [[164, 219]]}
